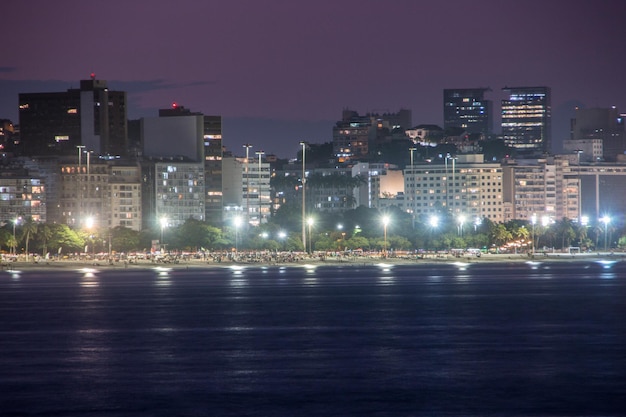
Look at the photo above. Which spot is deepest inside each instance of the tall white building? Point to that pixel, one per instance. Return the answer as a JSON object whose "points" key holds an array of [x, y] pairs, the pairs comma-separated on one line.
{"points": [[179, 191], [541, 187], [246, 190], [125, 194], [464, 185]]}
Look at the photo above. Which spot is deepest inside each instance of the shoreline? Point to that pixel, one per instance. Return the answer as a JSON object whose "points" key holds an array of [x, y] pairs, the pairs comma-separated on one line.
{"points": [[52, 265]]}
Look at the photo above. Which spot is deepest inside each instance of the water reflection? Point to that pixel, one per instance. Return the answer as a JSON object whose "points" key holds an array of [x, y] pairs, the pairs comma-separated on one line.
{"points": [[237, 280], [89, 279], [163, 276], [606, 264]]}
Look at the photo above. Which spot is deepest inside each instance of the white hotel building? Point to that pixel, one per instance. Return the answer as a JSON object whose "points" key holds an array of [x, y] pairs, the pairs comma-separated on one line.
{"points": [[464, 185]]}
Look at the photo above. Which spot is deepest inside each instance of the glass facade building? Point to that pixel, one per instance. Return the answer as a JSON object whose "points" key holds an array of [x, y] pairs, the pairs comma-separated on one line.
{"points": [[526, 119]]}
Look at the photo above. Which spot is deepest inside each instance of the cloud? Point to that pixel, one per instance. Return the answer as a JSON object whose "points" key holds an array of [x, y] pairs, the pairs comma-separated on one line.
{"points": [[8, 69]]}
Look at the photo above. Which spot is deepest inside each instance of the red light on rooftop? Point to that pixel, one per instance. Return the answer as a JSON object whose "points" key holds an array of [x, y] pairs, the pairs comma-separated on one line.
{"points": [[174, 105], [93, 75]]}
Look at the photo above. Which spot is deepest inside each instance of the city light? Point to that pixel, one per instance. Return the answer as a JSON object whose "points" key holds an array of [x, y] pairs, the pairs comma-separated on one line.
{"points": [[606, 220], [237, 223], [385, 221]]}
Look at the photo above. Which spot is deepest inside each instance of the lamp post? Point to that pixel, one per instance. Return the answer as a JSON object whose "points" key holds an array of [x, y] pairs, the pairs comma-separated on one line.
{"points": [[79, 181], [461, 220], [237, 223], [434, 223], [247, 146], [385, 223], [310, 222], [260, 154], [412, 196], [281, 236], [343, 234], [303, 144], [15, 222], [580, 188], [477, 222], [163, 223], [606, 220], [533, 221], [89, 222]]}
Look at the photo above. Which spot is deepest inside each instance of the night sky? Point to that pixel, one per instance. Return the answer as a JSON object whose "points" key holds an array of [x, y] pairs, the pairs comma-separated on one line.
{"points": [[281, 71]]}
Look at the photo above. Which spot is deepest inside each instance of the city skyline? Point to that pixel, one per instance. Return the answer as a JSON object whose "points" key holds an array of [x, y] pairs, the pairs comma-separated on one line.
{"points": [[280, 72]]}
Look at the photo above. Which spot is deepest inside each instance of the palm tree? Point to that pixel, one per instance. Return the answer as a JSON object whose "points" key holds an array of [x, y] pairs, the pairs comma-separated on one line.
{"points": [[44, 234], [565, 228], [29, 228], [500, 235]]}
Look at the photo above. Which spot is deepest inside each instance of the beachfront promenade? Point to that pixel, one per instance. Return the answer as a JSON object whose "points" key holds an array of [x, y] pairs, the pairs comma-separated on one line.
{"points": [[294, 259]]}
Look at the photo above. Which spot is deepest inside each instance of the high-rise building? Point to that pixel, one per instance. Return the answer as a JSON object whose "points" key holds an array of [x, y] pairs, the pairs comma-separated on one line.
{"points": [[545, 187], [464, 185], [172, 191], [526, 119], [247, 193], [180, 132], [467, 108], [91, 116], [355, 137], [605, 124]]}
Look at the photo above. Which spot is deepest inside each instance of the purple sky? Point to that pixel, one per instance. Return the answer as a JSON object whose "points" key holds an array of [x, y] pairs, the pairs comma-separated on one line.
{"points": [[281, 71]]}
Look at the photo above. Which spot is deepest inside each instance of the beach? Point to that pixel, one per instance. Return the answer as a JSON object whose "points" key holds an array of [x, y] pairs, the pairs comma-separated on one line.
{"points": [[297, 260]]}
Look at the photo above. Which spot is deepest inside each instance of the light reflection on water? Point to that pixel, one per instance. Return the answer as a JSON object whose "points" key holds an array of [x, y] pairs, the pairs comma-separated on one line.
{"points": [[89, 279], [372, 340]]}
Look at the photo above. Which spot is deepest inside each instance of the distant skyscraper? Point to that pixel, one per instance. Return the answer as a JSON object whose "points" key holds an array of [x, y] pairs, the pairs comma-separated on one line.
{"points": [[92, 116], [198, 137], [526, 119], [605, 124], [467, 108]]}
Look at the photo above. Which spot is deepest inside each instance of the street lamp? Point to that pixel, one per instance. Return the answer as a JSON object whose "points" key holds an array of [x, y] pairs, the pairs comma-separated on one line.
{"points": [[303, 144], [281, 236], [237, 223], [580, 188], [533, 221], [477, 222], [343, 234], [433, 221], [260, 154], [412, 195], [79, 182], [15, 222], [310, 222], [89, 222], [247, 146], [461, 220], [163, 223], [606, 220], [385, 223]]}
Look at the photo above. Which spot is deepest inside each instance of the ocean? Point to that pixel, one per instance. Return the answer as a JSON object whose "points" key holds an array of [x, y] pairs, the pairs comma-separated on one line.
{"points": [[453, 339]]}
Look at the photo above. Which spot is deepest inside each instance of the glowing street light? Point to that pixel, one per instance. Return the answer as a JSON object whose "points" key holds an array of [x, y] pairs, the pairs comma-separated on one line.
{"points": [[461, 220], [260, 154], [247, 146], [310, 222], [163, 223], [606, 220], [343, 234], [281, 236], [303, 144], [533, 221], [477, 222], [237, 222], [15, 222], [89, 223], [433, 222], [385, 224]]}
